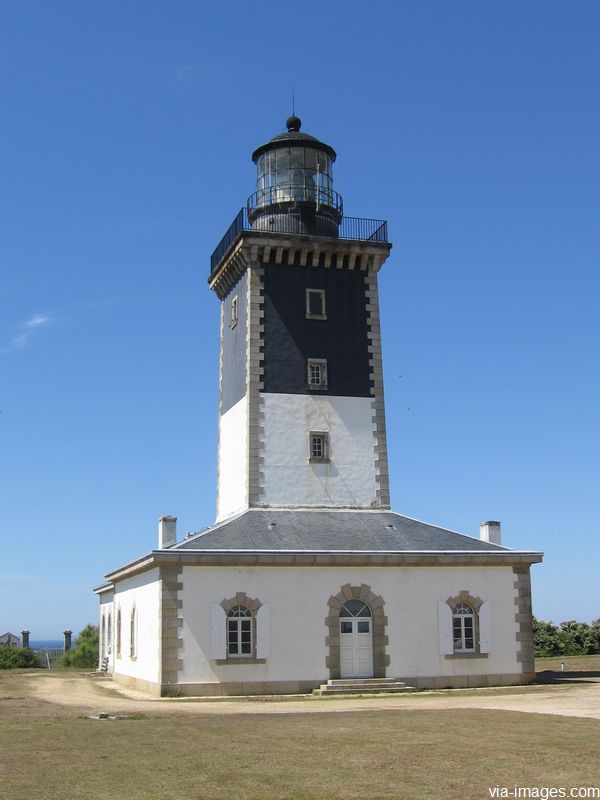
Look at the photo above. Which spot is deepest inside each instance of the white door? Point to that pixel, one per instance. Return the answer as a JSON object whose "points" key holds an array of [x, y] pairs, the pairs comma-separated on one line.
{"points": [[356, 642]]}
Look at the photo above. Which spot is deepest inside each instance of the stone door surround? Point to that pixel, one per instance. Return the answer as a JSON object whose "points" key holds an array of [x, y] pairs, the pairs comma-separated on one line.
{"points": [[376, 603]]}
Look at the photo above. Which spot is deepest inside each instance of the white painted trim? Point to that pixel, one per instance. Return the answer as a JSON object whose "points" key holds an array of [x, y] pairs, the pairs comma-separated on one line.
{"points": [[233, 460], [446, 643], [218, 618], [263, 638], [290, 479], [485, 627]]}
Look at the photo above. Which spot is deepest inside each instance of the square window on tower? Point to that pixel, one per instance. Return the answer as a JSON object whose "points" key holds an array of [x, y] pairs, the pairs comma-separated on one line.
{"points": [[234, 312], [316, 373], [318, 443], [315, 304]]}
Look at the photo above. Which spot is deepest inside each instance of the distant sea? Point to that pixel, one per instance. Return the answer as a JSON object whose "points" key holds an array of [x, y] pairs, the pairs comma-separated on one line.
{"points": [[45, 644]]}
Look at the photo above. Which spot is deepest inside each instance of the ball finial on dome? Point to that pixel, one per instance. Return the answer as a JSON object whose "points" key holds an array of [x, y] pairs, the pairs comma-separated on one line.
{"points": [[293, 123]]}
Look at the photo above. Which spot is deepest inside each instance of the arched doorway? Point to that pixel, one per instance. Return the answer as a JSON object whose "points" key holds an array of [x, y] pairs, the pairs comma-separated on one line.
{"points": [[378, 624], [356, 640]]}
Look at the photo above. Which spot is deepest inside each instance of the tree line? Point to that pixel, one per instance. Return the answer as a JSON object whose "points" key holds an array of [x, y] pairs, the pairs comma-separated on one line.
{"points": [[568, 638]]}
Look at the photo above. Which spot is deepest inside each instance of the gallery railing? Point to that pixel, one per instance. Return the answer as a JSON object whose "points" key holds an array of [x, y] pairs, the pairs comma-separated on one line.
{"points": [[359, 228]]}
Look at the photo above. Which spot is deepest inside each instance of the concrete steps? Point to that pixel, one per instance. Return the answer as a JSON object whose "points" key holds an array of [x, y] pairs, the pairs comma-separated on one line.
{"points": [[363, 686]]}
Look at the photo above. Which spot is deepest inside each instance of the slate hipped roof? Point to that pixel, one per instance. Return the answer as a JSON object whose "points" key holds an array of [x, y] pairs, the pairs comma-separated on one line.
{"points": [[331, 530]]}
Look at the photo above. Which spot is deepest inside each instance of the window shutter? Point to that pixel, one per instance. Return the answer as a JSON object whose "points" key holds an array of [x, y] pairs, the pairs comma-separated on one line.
{"points": [[217, 631], [485, 627], [262, 631], [446, 644]]}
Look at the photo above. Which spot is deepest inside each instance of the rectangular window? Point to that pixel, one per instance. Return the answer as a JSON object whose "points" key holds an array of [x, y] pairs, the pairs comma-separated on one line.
{"points": [[234, 312], [316, 373], [318, 443], [463, 629], [239, 637], [457, 633], [246, 631], [469, 640], [233, 637], [315, 304]]}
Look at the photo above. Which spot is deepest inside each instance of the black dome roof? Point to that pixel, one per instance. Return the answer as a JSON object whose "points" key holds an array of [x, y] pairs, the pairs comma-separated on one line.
{"points": [[293, 135]]}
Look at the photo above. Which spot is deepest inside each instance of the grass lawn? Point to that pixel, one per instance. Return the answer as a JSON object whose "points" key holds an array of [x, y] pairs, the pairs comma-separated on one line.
{"points": [[50, 753], [571, 664]]}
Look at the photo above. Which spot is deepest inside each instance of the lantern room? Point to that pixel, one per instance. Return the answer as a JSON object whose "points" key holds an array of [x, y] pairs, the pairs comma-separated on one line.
{"points": [[294, 185]]}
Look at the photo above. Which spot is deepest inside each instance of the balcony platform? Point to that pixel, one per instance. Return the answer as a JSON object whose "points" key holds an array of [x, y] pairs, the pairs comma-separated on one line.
{"points": [[356, 229]]}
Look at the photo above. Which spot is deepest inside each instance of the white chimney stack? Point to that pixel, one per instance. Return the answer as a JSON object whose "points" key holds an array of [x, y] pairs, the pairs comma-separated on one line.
{"points": [[167, 531], [490, 532]]}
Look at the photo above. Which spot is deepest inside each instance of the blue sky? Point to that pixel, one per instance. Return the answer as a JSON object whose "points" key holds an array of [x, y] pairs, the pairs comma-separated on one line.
{"points": [[127, 129]]}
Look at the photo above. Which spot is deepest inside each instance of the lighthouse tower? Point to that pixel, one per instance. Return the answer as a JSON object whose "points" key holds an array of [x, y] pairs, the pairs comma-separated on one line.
{"points": [[301, 408]]}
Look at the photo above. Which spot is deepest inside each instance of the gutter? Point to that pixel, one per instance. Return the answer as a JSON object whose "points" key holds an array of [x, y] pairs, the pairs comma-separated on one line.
{"points": [[319, 558]]}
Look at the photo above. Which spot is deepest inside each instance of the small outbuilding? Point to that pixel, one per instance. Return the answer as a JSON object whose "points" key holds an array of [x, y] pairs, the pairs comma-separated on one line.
{"points": [[10, 640]]}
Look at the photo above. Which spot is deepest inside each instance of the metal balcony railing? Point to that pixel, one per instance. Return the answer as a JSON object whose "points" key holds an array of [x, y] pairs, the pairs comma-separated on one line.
{"points": [[359, 228], [318, 197]]}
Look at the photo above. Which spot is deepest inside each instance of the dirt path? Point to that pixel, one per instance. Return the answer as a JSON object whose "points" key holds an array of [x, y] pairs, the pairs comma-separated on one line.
{"points": [[64, 693]]}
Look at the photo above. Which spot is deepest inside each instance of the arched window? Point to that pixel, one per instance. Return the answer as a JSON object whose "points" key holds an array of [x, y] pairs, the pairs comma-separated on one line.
{"points": [[240, 639], [464, 625], [132, 633], [240, 629], [109, 634], [355, 608], [118, 642], [103, 637], [463, 628]]}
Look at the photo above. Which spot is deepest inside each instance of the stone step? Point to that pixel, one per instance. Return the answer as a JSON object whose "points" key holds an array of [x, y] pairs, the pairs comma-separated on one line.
{"points": [[366, 681], [338, 690], [363, 686]]}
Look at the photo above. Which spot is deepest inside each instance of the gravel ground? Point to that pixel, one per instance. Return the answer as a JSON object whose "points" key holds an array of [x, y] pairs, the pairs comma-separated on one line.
{"points": [[64, 692]]}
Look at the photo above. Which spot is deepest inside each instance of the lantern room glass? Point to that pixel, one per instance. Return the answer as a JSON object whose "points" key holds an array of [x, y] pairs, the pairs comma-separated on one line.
{"points": [[294, 175]]}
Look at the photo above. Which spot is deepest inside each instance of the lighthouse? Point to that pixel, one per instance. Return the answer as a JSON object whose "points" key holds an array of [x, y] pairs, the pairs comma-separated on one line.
{"points": [[301, 406], [307, 579]]}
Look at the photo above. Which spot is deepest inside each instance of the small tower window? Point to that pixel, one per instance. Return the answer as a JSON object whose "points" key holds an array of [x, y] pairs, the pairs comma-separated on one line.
{"points": [[317, 373], [315, 304], [318, 446], [234, 312]]}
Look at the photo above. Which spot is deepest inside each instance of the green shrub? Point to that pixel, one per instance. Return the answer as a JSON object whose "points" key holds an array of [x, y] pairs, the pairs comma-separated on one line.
{"points": [[570, 638], [85, 653], [17, 657]]}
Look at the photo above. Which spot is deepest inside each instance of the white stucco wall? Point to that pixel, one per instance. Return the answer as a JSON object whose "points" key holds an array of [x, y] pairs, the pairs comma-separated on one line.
{"points": [[288, 477], [233, 466], [143, 591], [298, 607], [413, 620]]}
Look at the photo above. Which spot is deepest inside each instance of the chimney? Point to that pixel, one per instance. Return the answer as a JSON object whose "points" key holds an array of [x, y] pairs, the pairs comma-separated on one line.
{"points": [[67, 634], [490, 532], [167, 531], [25, 635]]}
